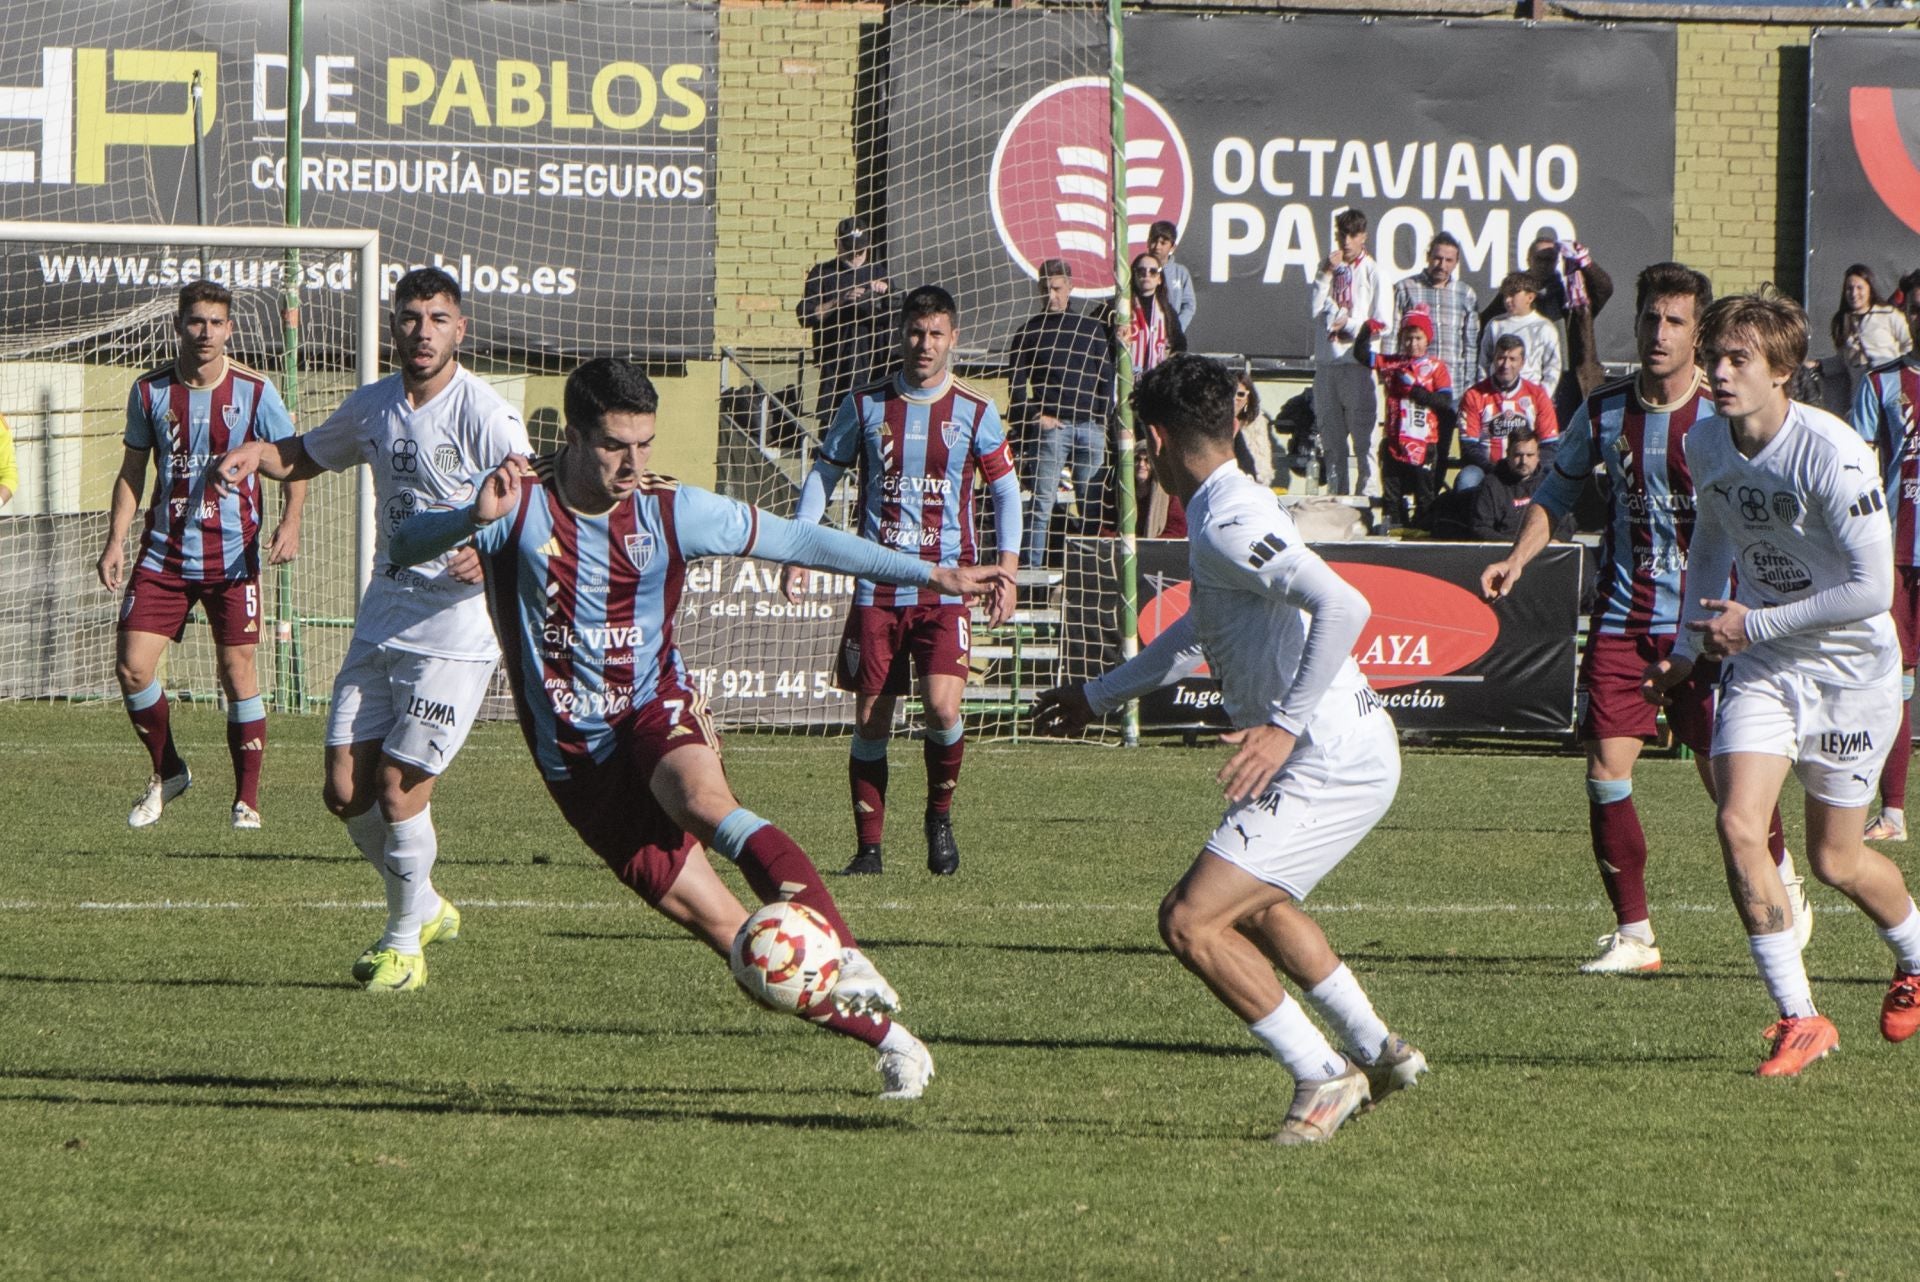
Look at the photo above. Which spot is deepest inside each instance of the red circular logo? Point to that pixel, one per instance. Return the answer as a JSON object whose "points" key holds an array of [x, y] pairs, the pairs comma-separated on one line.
{"points": [[1052, 183]]}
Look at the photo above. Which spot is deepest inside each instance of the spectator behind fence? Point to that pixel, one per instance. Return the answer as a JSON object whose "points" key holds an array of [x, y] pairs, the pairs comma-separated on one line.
{"points": [[1866, 331], [1347, 294], [9, 470], [1179, 281], [1499, 405], [1519, 292], [1153, 332], [1572, 289], [1419, 391], [1454, 307], [1061, 371], [841, 305], [1499, 505], [1253, 433]]}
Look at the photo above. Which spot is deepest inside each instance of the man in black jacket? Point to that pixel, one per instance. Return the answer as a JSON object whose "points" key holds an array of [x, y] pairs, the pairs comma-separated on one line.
{"points": [[1499, 503], [1061, 370]]}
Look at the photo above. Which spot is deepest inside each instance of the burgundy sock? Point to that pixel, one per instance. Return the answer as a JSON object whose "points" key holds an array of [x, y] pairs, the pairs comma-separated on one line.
{"points": [[943, 772], [871, 1029], [869, 783], [156, 732], [776, 868], [1620, 848], [1777, 839], [1893, 775], [247, 745]]}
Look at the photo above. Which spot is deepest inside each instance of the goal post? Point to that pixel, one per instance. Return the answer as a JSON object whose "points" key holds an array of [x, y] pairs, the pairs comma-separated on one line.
{"points": [[91, 307]]}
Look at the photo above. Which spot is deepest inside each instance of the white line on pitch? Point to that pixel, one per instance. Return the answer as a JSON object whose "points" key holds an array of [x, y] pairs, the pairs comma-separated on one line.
{"points": [[562, 905]]}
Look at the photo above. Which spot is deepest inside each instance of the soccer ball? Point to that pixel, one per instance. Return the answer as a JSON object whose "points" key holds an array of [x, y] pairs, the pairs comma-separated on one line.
{"points": [[787, 958]]}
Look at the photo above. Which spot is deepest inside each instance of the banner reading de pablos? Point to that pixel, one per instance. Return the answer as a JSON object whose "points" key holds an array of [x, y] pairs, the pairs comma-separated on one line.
{"points": [[1250, 133], [1442, 659], [1863, 132], [558, 159]]}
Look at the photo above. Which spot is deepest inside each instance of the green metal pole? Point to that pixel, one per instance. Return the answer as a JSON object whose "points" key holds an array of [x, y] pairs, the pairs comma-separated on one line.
{"points": [[289, 679], [1123, 362]]}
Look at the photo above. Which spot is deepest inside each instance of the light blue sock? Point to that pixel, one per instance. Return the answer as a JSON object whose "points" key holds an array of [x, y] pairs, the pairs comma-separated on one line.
{"points": [[253, 709], [733, 832], [141, 700], [948, 737]]}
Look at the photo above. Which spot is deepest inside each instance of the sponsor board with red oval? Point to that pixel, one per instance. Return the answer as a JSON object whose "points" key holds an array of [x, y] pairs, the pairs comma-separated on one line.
{"points": [[1422, 627]]}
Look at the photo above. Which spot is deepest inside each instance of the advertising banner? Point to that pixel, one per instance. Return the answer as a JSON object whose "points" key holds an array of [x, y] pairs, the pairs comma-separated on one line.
{"points": [[1250, 133], [759, 659], [1863, 186], [1442, 659], [558, 159]]}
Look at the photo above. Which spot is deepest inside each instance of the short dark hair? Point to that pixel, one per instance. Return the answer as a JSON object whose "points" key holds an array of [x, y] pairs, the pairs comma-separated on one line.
{"points": [[1188, 397], [1513, 282], [1672, 280], [1521, 434], [423, 283], [1443, 238], [928, 300], [1349, 222], [1778, 325], [1163, 228], [1508, 342], [1909, 287], [205, 291], [607, 385], [1055, 267]]}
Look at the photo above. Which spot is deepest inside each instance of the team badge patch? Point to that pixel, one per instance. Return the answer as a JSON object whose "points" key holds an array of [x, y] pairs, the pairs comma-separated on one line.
{"points": [[640, 550], [230, 413], [1786, 507], [950, 433], [446, 458]]}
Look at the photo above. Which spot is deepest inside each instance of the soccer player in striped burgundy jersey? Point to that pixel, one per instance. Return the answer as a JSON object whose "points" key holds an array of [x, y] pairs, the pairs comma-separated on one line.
{"points": [[1637, 429], [1884, 413], [923, 441], [585, 562], [197, 545]]}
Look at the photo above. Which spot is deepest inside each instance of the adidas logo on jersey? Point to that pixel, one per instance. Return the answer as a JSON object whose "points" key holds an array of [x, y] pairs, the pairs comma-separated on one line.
{"points": [[1867, 504]]}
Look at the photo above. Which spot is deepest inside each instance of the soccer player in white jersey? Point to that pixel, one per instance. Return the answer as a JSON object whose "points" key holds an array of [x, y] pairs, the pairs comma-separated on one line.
{"points": [[1789, 502], [423, 652], [1317, 766]]}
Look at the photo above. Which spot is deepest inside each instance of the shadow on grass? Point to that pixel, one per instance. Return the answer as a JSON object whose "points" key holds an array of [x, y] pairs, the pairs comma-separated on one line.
{"points": [[936, 1040], [147, 982], [941, 945], [269, 1093], [1567, 967], [284, 857]]}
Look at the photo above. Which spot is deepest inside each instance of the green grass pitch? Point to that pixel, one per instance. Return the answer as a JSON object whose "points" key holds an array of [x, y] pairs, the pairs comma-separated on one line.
{"points": [[191, 1086]]}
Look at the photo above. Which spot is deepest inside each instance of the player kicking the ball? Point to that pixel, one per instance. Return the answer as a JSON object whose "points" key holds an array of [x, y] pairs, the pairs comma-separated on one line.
{"points": [[197, 545], [1790, 503], [1317, 766], [585, 560], [412, 681]]}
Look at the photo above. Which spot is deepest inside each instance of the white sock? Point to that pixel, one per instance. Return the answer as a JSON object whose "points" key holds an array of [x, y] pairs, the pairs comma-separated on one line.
{"points": [[407, 868], [1904, 939], [369, 832], [897, 1038], [1778, 957], [1342, 1005], [1641, 930], [1295, 1042]]}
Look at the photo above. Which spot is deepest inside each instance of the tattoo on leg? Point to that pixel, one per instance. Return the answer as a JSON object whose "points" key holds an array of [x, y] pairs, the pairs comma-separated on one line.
{"points": [[1772, 918]]}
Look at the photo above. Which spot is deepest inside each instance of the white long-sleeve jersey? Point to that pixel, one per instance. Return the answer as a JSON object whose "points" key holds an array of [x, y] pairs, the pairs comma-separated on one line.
{"points": [[1272, 620], [1334, 329], [1803, 524]]}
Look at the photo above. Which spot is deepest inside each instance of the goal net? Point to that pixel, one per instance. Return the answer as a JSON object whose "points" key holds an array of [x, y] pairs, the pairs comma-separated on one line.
{"points": [[92, 308]]}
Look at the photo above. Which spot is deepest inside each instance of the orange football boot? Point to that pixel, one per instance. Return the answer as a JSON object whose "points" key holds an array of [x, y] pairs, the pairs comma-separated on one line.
{"points": [[1797, 1042], [1900, 1009]]}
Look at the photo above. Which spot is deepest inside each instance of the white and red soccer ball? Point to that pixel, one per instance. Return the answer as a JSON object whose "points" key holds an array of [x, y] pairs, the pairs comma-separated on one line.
{"points": [[787, 958]]}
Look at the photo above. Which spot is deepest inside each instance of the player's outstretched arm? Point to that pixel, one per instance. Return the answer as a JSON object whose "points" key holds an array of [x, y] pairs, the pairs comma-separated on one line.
{"points": [[822, 479], [993, 583], [1536, 531], [426, 535], [282, 460], [1063, 711]]}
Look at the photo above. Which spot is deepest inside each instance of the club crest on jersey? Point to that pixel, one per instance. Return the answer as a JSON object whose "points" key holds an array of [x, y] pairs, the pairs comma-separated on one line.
{"points": [[950, 433], [1786, 507], [446, 458], [231, 415], [640, 549]]}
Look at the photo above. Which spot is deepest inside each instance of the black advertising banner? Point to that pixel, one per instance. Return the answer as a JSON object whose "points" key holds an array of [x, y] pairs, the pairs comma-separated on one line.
{"points": [[1251, 132], [1863, 186], [1442, 659], [556, 158]]}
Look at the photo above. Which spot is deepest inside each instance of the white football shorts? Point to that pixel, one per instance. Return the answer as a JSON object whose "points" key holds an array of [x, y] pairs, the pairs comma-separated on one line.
{"points": [[419, 706], [1324, 800], [1837, 737]]}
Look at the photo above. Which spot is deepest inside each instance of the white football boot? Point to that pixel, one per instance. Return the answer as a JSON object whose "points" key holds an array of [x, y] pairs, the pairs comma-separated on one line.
{"points": [[1320, 1107], [1886, 827], [862, 990], [906, 1070], [245, 817], [1623, 955], [146, 811], [1396, 1068]]}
